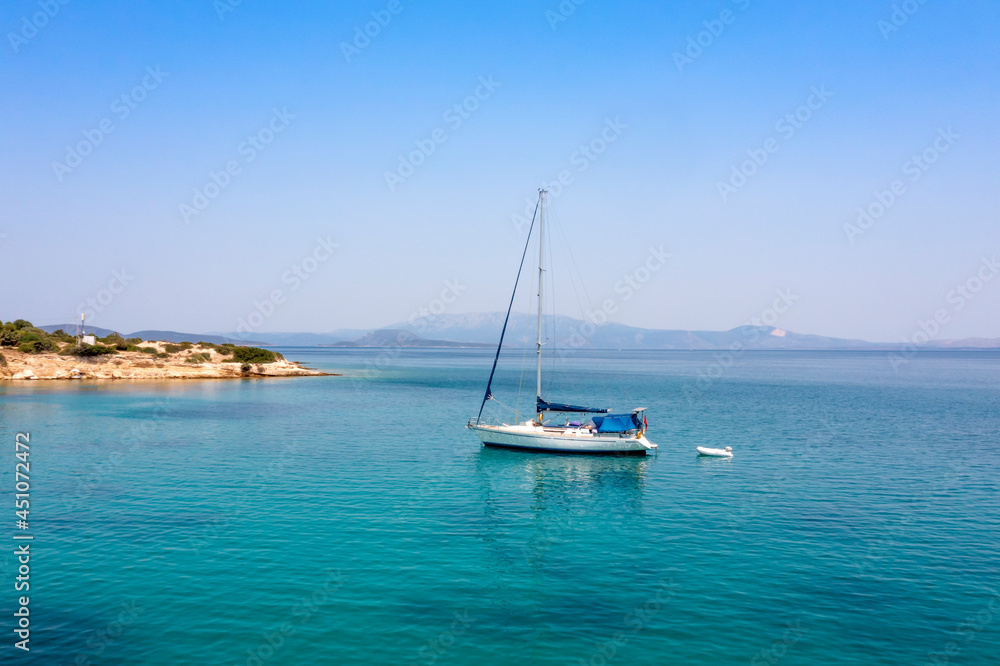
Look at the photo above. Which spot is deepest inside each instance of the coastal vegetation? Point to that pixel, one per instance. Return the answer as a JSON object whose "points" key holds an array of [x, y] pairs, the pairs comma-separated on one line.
{"points": [[253, 355], [21, 335], [29, 352]]}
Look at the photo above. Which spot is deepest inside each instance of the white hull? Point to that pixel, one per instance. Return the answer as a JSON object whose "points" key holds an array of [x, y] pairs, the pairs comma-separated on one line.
{"points": [[562, 440], [716, 453]]}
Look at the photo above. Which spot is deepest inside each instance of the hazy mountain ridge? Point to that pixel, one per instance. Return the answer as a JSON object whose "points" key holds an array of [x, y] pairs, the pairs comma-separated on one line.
{"points": [[575, 333], [164, 336], [483, 329], [394, 337]]}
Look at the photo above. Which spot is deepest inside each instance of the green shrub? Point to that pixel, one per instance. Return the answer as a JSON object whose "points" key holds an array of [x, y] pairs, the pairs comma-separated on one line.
{"points": [[9, 337], [133, 341], [31, 336], [186, 345], [114, 340], [21, 323], [252, 355], [245, 368], [131, 347], [61, 336], [3, 361], [172, 349], [148, 350], [36, 346], [93, 350]]}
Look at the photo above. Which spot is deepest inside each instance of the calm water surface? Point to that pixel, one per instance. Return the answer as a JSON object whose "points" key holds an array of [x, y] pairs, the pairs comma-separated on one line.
{"points": [[353, 520]]}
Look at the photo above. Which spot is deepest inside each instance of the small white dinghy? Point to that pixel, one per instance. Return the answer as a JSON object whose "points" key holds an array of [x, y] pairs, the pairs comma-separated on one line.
{"points": [[716, 453]]}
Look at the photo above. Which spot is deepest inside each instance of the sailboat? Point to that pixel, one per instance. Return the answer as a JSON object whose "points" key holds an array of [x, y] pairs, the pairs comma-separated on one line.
{"points": [[604, 432]]}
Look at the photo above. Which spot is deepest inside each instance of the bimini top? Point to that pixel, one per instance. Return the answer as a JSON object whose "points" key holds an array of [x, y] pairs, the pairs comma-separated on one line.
{"points": [[618, 422], [544, 406]]}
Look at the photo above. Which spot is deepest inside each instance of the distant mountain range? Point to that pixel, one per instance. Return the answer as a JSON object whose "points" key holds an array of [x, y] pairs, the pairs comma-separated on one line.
{"points": [[165, 336], [395, 337], [483, 330], [575, 333]]}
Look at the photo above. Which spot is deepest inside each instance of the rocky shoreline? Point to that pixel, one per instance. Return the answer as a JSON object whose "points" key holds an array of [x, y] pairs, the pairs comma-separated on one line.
{"points": [[193, 363]]}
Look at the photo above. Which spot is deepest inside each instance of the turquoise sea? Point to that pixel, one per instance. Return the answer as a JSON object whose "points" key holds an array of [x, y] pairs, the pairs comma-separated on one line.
{"points": [[353, 520]]}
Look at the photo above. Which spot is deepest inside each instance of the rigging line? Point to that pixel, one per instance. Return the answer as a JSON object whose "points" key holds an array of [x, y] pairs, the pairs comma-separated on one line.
{"points": [[524, 354], [555, 312], [574, 276], [583, 284], [496, 358], [565, 248], [504, 406]]}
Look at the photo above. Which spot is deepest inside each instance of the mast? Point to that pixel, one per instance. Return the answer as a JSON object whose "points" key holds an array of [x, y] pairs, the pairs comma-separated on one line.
{"points": [[489, 383], [541, 274]]}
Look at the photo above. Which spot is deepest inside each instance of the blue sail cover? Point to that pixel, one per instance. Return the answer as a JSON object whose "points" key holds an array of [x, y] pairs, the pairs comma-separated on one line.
{"points": [[543, 406], [617, 422]]}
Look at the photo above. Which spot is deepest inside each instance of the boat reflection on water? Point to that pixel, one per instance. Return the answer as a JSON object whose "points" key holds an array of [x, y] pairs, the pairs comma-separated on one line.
{"points": [[534, 506], [572, 478]]}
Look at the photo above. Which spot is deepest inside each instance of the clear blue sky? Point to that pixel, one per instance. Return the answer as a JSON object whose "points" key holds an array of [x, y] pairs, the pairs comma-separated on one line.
{"points": [[681, 131]]}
